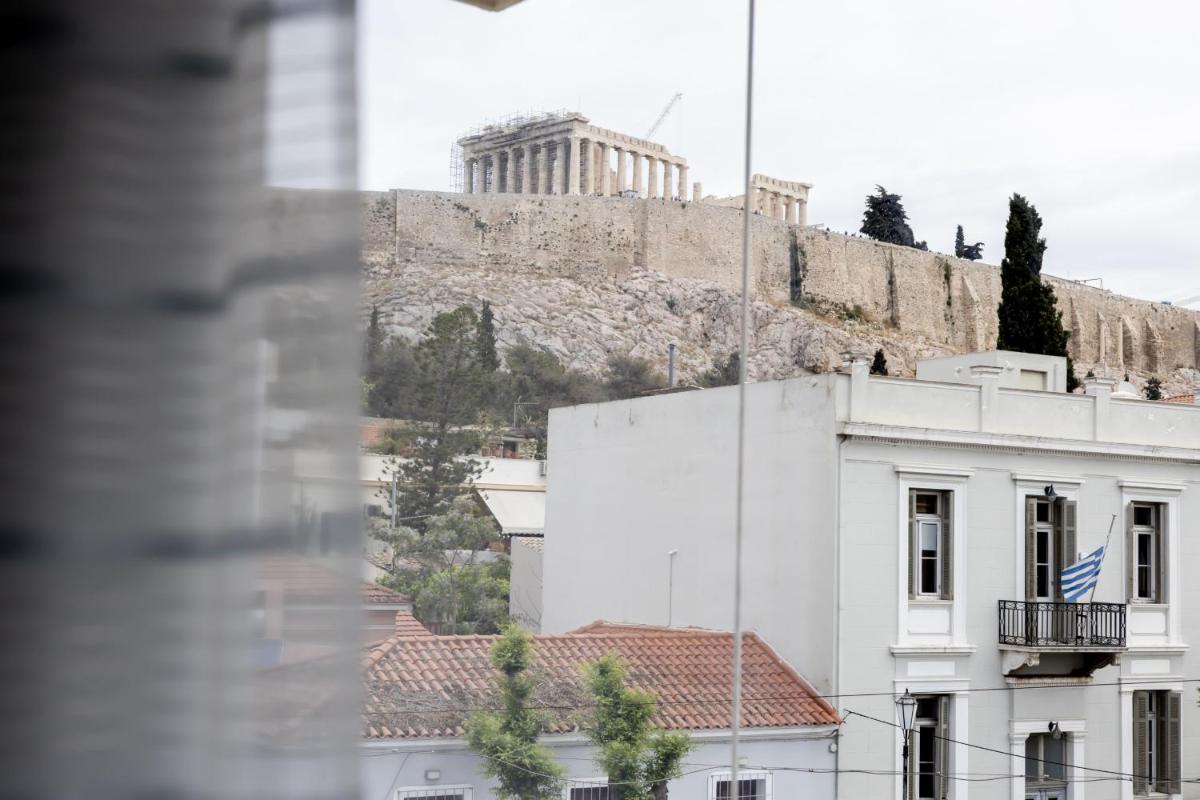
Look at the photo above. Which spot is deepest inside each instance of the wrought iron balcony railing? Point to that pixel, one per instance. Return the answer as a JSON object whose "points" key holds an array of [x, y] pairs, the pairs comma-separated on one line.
{"points": [[1062, 625]]}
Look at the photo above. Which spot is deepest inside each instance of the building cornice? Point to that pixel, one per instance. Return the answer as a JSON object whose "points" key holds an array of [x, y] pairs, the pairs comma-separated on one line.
{"points": [[1013, 443]]}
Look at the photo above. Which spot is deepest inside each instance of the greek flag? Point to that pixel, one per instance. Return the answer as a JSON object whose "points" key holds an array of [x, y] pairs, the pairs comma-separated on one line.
{"points": [[1080, 578]]}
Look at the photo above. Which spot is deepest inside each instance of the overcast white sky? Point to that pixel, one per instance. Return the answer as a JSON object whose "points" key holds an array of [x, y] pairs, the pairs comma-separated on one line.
{"points": [[1089, 109]]}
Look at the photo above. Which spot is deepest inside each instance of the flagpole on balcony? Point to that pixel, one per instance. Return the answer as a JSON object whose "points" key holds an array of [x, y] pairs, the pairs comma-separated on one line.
{"points": [[1107, 539]]}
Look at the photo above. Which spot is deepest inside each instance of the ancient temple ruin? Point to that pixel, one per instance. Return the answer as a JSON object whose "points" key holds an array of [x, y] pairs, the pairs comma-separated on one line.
{"points": [[563, 153]]}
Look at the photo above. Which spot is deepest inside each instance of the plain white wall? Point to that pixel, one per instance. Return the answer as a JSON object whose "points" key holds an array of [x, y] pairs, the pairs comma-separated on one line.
{"points": [[632, 480]]}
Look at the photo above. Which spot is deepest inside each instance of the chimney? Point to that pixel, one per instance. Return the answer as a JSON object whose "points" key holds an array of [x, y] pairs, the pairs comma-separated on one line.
{"points": [[858, 365]]}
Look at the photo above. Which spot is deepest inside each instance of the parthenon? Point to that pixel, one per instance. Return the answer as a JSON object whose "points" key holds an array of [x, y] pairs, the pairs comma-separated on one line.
{"points": [[565, 154]]}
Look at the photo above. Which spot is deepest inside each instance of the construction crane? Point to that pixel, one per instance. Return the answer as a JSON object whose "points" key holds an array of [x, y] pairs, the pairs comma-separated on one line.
{"points": [[678, 96]]}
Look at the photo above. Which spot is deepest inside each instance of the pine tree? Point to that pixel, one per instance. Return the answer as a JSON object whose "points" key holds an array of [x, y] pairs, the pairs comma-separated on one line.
{"points": [[886, 221], [1030, 321], [486, 337], [1154, 389], [507, 740], [448, 392], [971, 252], [879, 364]]}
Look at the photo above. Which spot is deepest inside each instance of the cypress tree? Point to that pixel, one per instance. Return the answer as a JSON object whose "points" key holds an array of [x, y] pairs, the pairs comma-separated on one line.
{"points": [[879, 363], [486, 338], [1030, 321], [960, 243]]}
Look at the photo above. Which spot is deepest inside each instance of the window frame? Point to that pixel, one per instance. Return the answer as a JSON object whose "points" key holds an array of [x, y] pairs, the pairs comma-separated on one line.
{"points": [[939, 726], [1158, 555], [464, 790], [715, 778], [944, 558], [1162, 742], [600, 782], [1050, 783]]}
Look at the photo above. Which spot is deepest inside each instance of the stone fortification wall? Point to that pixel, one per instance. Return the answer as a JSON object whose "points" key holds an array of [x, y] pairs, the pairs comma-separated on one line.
{"points": [[953, 301], [947, 303]]}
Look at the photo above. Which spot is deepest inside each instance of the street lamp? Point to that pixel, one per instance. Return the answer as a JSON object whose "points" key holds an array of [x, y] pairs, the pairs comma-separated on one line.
{"points": [[906, 708]]}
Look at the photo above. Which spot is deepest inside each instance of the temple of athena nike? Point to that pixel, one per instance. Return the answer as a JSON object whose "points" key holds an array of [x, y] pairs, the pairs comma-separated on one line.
{"points": [[563, 153]]}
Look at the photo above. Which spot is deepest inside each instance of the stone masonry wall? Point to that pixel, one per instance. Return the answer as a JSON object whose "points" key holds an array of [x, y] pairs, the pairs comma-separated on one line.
{"points": [[582, 244]]}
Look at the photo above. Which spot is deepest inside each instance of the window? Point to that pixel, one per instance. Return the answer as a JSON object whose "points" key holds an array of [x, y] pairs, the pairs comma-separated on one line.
{"points": [[372, 510], [1033, 379], [1045, 761], [751, 786], [1147, 551], [929, 752], [930, 572], [434, 793], [1050, 545], [588, 793], [1156, 742]]}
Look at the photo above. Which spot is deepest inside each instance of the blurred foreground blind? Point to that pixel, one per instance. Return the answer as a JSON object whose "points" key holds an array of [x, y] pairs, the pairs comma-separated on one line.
{"points": [[177, 341]]}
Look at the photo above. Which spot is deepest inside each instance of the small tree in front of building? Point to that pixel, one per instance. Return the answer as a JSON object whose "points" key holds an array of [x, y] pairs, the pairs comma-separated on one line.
{"points": [[637, 760], [507, 740]]}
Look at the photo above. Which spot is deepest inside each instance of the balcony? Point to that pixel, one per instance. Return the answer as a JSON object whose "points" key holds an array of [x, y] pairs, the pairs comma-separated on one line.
{"points": [[1060, 640]]}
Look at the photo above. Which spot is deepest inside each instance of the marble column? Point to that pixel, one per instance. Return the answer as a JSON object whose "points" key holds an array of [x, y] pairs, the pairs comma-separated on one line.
{"points": [[560, 156], [697, 192], [666, 180], [651, 177], [605, 178], [638, 185], [801, 212], [589, 164], [573, 165], [789, 208], [621, 153], [469, 176], [683, 182], [527, 169], [510, 172], [546, 167]]}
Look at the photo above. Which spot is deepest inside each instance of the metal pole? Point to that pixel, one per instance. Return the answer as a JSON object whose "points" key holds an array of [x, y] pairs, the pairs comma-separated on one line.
{"points": [[739, 492], [670, 584], [393, 500], [671, 365], [904, 781]]}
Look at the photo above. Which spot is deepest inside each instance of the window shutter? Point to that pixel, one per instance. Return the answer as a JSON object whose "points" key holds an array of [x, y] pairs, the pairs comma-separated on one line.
{"points": [[1163, 553], [1070, 551], [1130, 554], [1171, 745], [941, 783], [947, 504], [1030, 552], [912, 543], [1141, 764]]}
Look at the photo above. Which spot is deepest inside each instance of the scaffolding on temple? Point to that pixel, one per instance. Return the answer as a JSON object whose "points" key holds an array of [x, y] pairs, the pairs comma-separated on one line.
{"points": [[504, 124]]}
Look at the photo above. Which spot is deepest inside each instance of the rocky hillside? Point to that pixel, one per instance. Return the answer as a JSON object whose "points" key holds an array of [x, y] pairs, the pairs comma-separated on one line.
{"points": [[585, 299]]}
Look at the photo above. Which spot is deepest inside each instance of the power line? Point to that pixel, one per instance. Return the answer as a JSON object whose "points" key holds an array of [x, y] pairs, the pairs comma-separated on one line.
{"points": [[1121, 775]]}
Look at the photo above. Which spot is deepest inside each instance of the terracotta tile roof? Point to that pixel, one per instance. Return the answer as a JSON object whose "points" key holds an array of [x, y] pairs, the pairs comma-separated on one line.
{"points": [[308, 578], [1186, 399], [535, 543], [408, 625], [425, 686]]}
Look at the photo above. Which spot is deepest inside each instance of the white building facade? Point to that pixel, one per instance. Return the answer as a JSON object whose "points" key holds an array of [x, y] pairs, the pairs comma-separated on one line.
{"points": [[904, 534]]}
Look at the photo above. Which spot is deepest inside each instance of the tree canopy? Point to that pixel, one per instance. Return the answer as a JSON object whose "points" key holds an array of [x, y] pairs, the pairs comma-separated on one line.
{"points": [[885, 220], [637, 760], [971, 252], [507, 740], [724, 372]]}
